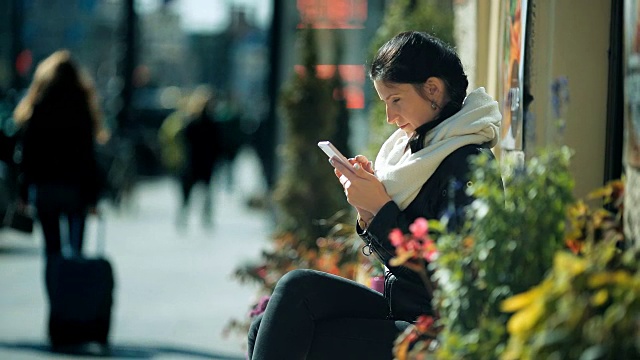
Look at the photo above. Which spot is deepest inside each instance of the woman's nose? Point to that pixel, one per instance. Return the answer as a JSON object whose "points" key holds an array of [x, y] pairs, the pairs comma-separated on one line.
{"points": [[391, 116]]}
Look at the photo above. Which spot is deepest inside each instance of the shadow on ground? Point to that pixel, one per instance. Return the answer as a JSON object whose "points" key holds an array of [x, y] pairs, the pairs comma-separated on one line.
{"points": [[20, 251], [117, 351], [14, 243]]}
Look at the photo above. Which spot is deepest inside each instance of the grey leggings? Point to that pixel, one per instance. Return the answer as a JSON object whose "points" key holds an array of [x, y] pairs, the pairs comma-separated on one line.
{"points": [[316, 315]]}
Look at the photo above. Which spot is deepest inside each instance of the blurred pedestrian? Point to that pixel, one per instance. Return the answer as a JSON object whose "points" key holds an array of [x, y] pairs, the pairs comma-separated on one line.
{"points": [[232, 135], [60, 124], [202, 151], [170, 138]]}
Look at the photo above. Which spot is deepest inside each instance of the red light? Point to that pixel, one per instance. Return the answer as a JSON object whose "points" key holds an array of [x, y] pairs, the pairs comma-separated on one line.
{"points": [[24, 60], [332, 14], [352, 73], [352, 77], [354, 96]]}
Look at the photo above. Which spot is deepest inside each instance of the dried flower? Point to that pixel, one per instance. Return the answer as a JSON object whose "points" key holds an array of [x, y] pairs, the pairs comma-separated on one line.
{"points": [[260, 307]]}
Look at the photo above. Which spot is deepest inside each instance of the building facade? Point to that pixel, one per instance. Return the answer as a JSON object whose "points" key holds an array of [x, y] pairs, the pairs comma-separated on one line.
{"points": [[568, 93]]}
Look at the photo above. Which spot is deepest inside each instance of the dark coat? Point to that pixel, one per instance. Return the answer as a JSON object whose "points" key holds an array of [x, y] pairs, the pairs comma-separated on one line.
{"points": [[58, 148], [202, 145], [407, 295]]}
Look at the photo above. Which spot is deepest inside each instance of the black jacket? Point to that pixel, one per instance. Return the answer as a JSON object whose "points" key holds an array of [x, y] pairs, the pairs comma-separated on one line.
{"points": [[58, 148], [444, 192]]}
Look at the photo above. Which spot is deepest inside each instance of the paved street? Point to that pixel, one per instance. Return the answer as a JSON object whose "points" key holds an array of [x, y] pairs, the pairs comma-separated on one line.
{"points": [[174, 292]]}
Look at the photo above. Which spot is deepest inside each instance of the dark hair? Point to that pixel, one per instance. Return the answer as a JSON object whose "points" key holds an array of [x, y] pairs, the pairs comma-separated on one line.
{"points": [[412, 57]]}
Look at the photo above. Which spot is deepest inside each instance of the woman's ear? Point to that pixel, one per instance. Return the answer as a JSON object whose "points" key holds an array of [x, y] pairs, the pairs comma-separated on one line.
{"points": [[434, 86], [436, 91]]}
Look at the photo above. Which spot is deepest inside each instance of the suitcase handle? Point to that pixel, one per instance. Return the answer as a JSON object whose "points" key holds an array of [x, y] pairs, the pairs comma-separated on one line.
{"points": [[100, 237], [101, 234]]}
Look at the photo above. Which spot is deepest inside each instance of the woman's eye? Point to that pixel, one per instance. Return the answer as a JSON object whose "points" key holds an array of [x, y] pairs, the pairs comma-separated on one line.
{"points": [[396, 100]]}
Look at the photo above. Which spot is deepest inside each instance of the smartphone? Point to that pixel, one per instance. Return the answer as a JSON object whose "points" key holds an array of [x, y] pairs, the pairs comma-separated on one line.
{"points": [[331, 152]]}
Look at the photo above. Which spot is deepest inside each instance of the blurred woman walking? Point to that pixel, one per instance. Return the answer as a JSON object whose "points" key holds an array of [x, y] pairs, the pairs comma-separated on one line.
{"points": [[60, 123]]}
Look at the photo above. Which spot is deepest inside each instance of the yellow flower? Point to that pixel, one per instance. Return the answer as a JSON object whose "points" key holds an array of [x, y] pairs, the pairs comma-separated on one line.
{"points": [[605, 278], [579, 209], [525, 319], [600, 297], [401, 257], [564, 262], [522, 300], [611, 191], [603, 192]]}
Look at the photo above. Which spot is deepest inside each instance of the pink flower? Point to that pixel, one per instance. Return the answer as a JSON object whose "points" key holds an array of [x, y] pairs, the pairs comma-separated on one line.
{"points": [[413, 244], [396, 237], [261, 271], [424, 323], [260, 306], [429, 250], [419, 228]]}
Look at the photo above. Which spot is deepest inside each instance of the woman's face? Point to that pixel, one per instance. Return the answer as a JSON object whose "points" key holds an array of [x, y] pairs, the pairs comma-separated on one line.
{"points": [[405, 107]]}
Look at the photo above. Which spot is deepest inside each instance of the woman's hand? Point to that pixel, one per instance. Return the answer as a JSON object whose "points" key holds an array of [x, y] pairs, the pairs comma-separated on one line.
{"points": [[364, 162], [363, 190], [367, 165]]}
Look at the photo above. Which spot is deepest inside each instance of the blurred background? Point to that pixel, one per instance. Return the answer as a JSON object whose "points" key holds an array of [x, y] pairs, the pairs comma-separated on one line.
{"points": [[176, 295], [145, 56]]}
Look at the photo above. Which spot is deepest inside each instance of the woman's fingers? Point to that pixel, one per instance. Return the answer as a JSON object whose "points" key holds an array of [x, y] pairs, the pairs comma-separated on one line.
{"points": [[363, 190], [366, 164], [342, 168]]}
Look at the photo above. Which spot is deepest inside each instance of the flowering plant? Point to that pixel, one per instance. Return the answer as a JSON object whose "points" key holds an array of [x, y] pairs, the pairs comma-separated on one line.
{"points": [[589, 303], [533, 275], [415, 251], [337, 253], [506, 246], [587, 226], [417, 245]]}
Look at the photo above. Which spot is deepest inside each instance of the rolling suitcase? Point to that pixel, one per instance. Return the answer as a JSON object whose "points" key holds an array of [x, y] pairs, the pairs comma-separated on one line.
{"points": [[80, 291]]}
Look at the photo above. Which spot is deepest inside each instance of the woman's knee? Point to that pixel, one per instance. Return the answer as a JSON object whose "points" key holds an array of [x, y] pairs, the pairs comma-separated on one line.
{"points": [[295, 280], [253, 335], [253, 328]]}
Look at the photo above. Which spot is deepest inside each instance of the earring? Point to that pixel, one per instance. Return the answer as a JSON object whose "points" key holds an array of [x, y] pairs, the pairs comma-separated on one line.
{"points": [[433, 105]]}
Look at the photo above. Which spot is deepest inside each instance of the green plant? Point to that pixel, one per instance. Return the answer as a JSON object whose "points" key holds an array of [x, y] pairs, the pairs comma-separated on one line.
{"points": [[506, 247], [589, 304], [307, 190], [534, 274], [587, 308]]}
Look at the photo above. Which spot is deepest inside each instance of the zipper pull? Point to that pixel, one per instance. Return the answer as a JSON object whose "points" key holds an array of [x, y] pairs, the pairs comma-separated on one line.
{"points": [[367, 249]]}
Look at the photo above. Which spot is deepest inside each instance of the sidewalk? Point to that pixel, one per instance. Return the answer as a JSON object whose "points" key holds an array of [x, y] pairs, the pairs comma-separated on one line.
{"points": [[174, 291]]}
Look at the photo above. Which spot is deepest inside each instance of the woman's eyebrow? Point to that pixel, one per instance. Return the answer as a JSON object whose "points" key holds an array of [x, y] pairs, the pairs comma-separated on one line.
{"points": [[390, 95]]}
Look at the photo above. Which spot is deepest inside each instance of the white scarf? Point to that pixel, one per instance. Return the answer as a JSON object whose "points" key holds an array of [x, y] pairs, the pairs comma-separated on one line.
{"points": [[404, 173]]}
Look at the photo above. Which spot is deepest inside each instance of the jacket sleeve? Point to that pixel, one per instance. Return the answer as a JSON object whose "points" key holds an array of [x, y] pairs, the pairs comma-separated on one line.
{"points": [[376, 236]]}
